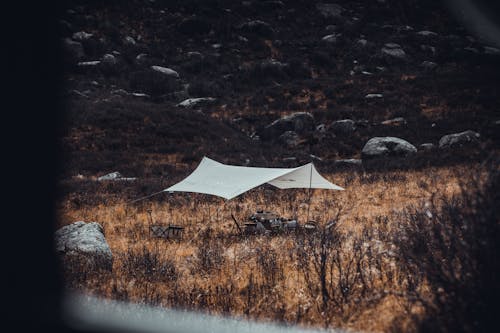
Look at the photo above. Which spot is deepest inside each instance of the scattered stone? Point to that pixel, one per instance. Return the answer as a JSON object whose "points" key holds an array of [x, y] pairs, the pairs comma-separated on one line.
{"points": [[257, 27], [290, 138], [330, 38], [120, 92], [84, 244], [471, 50], [271, 64], [427, 33], [79, 93], [321, 128], [428, 65], [344, 126], [74, 50], [299, 122], [195, 55], [387, 147], [371, 96], [314, 157], [129, 41], [93, 63], [331, 28], [271, 5], [81, 36], [348, 163], [491, 50], [393, 50], [330, 10], [142, 59], [427, 146], [109, 60], [394, 122], [428, 48], [362, 42], [194, 102], [137, 94], [114, 176], [164, 70], [459, 139], [194, 25]]}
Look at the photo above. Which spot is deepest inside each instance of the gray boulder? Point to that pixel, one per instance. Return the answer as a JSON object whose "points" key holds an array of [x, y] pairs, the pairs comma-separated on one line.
{"points": [[373, 96], [142, 59], [459, 139], [109, 60], [350, 163], [166, 71], [428, 65], [116, 175], [81, 36], [84, 244], [74, 50], [491, 50], [155, 81], [398, 121], [299, 122], [426, 33], [387, 147], [394, 51], [343, 127], [195, 102], [427, 146], [290, 139], [330, 38], [258, 28]]}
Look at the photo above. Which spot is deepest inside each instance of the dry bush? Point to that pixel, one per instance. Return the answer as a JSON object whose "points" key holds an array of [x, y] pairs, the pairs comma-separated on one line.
{"points": [[148, 265], [347, 274], [450, 246]]}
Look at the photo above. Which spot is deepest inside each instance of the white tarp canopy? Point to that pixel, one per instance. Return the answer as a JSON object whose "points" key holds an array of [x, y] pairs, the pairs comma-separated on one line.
{"points": [[229, 181]]}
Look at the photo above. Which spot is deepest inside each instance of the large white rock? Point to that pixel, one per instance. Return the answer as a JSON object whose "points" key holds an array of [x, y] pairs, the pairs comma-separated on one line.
{"points": [[85, 244], [386, 147]]}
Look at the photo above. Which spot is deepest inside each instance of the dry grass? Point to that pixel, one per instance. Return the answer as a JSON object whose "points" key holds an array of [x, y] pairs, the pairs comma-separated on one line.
{"points": [[215, 270]]}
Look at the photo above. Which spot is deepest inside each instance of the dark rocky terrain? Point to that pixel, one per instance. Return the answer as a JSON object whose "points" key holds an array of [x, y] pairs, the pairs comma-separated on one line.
{"points": [[405, 69]]}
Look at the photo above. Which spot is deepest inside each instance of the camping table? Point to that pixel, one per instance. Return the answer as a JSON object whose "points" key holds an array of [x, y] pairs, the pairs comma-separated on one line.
{"points": [[164, 231]]}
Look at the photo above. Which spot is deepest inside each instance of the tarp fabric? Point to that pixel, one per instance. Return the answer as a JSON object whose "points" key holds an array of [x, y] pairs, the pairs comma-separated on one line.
{"points": [[229, 181]]}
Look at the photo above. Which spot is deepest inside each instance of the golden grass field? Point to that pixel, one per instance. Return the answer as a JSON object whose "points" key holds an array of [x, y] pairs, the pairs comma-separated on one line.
{"points": [[214, 269]]}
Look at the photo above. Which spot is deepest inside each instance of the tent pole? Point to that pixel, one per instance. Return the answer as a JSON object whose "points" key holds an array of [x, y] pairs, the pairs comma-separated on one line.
{"points": [[310, 185]]}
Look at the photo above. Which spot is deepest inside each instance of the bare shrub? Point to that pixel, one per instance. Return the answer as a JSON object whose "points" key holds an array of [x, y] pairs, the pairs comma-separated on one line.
{"points": [[210, 253], [270, 265], [452, 245], [341, 270], [149, 266]]}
